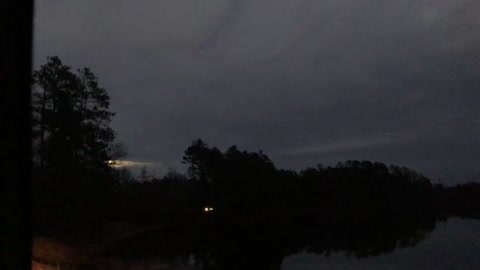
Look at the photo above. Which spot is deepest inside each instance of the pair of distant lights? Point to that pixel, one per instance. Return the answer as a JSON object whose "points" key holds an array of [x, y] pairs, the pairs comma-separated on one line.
{"points": [[208, 209]]}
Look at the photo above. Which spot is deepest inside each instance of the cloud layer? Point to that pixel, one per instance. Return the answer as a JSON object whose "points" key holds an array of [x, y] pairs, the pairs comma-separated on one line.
{"points": [[306, 81]]}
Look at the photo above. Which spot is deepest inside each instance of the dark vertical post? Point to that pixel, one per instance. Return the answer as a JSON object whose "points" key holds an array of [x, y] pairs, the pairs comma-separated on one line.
{"points": [[16, 17]]}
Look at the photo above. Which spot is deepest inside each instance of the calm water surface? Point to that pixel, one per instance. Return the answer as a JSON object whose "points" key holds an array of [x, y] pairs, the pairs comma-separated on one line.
{"points": [[451, 244], [454, 244]]}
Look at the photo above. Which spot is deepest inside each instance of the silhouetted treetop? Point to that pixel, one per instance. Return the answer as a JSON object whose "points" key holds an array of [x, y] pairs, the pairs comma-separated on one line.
{"points": [[202, 160], [71, 121], [210, 164]]}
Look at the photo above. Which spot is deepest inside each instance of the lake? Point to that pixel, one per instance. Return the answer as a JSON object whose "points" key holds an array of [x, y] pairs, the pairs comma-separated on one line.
{"points": [[454, 244], [450, 244]]}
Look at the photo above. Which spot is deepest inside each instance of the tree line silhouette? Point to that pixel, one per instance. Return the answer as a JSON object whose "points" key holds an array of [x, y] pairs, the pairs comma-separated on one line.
{"points": [[361, 207]]}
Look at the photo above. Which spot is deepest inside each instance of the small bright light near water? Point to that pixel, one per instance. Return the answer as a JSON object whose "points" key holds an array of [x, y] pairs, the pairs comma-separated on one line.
{"points": [[454, 244]]}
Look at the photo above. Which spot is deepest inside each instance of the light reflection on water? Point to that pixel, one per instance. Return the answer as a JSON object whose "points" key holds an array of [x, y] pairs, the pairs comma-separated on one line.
{"points": [[454, 244]]}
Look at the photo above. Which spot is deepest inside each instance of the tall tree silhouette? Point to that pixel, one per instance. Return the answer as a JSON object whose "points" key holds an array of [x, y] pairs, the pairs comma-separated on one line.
{"points": [[71, 121], [202, 160]]}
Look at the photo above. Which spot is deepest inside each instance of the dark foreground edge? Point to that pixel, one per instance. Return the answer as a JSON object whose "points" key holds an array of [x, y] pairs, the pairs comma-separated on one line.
{"points": [[16, 18]]}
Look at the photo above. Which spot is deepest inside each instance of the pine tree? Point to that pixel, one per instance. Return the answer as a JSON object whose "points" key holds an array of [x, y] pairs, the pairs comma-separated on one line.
{"points": [[72, 135]]}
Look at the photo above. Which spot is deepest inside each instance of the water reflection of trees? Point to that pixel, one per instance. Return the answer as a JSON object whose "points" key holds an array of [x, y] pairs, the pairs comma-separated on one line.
{"points": [[265, 246]]}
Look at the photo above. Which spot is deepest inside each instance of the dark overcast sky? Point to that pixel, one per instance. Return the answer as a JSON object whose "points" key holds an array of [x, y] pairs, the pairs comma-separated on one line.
{"points": [[305, 81]]}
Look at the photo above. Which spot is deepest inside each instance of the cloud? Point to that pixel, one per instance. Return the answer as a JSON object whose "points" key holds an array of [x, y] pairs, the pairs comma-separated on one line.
{"points": [[279, 74], [131, 163], [154, 168], [351, 144]]}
